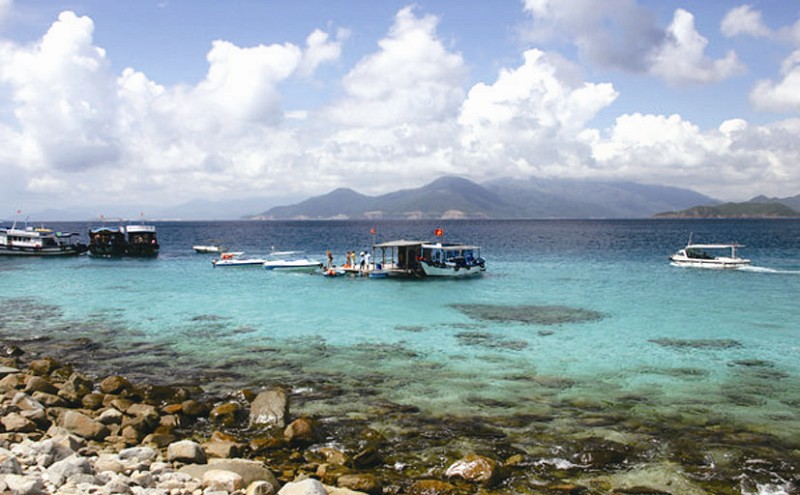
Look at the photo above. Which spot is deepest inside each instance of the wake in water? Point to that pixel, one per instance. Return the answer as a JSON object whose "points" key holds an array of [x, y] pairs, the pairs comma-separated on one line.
{"points": [[763, 269]]}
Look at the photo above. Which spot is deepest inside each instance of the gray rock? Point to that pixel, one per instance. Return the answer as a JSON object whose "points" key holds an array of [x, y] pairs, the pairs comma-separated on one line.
{"points": [[219, 480], [138, 453], [25, 402], [9, 463], [305, 487], [270, 408], [25, 485], [260, 488], [110, 417], [60, 471], [108, 463], [51, 451], [250, 471], [186, 451]]}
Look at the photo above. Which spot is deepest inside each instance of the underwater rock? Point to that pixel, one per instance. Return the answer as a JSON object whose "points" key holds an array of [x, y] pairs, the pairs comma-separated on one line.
{"points": [[431, 487], [475, 469], [528, 314], [712, 344]]}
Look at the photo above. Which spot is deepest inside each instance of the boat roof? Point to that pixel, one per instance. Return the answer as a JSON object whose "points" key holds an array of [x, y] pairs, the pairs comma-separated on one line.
{"points": [[140, 228], [399, 243], [105, 229], [714, 246]]}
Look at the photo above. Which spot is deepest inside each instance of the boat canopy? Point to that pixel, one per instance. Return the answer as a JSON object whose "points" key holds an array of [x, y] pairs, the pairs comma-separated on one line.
{"points": [[714, 246]]}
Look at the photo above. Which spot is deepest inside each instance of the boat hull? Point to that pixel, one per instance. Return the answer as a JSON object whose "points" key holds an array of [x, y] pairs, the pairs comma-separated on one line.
{"points": [[276, 266], [72, 250], [452, 271], [712, 264]]}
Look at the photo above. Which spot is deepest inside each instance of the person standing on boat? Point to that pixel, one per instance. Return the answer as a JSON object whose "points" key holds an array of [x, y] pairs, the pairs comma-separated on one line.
{"points": [[361, 261], [367, 256], [330, 258]]}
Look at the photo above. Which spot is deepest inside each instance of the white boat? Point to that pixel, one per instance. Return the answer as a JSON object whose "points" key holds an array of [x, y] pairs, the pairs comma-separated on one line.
{"points": [[212, 247], [451, 260], [237, 259], [39, 241], [290, 261], [715, 256]]}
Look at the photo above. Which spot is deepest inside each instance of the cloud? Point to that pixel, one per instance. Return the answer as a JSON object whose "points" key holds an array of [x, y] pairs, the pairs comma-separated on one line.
{"points": [[782, 96], [681, 59], [624, 35], [743, 20]]}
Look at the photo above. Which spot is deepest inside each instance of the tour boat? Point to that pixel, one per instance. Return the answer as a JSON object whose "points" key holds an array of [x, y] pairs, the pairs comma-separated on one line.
{"points": [[107, 242], [451, 260], [39, 241], [716, 256], [142, 241]]}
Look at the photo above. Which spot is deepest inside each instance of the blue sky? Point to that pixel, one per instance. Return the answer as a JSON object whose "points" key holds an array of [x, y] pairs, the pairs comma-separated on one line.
{"points": [[165, 102]]}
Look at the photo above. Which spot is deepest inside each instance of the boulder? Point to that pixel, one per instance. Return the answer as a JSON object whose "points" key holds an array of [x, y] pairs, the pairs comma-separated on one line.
{"points": [[225, 414], [25, 485], [84, 426], [361, 482], [308, 486], [76, 386], [92, 401], [431, 487], [193, 408], [44, 366], [250, 471], [301, 431], [48, 400], [220, 480], [115, 384], [260, 488], [12, 381], [270, 408], [475, 469], [60, 471], [39, 384], [17, 423], [186, 451]]}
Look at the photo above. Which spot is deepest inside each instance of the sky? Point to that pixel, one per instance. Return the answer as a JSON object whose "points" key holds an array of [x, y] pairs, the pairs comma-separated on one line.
{"points": [[154, 103]]}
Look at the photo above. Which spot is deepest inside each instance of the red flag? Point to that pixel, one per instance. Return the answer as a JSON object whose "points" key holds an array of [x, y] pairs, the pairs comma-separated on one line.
{"points": [[372, 231], [438, 232]]}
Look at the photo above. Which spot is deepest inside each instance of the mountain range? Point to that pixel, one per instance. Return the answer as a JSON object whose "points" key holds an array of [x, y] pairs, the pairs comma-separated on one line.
{"points": [[456, 197]]}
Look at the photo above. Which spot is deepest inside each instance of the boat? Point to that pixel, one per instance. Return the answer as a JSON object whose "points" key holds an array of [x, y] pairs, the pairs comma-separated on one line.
{"points": [[212, 247], [451, 260], [107, 242], [141, 241], [236, 259], [39, 241], [288, 261], [715, 256]]}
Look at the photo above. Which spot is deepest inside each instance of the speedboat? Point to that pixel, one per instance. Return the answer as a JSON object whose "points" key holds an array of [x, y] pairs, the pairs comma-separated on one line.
{"points": [[212, 247], [716, 256], [237, 259], [39, 241], [286, 261]]}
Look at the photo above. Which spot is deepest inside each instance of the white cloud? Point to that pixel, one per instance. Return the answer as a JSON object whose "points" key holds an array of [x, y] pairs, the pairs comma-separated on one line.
{"points": [[783, 96], [681, 58], [744, 20]]}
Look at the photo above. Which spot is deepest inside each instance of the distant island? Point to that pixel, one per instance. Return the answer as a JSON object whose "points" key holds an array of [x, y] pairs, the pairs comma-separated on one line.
{"points": [[749, 209]]}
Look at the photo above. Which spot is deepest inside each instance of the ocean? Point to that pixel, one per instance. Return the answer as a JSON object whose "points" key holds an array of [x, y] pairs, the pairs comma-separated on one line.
{"points": [[578, 331]]}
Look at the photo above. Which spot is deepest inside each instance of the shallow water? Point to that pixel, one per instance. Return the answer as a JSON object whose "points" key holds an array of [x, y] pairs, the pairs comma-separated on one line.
{"points": [[577, 326]]}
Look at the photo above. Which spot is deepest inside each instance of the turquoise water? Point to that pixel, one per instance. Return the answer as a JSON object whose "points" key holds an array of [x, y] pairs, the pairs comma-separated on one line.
{"points": [[571, 315]]}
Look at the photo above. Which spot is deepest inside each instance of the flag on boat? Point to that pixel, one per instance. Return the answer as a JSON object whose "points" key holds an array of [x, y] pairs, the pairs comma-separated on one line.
{"points": [[438, 232], [372, 231]]}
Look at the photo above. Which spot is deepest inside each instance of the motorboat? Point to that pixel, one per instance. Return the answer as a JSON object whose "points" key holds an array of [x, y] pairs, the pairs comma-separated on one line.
{"points": [[291, 261], [211, 247], [451, 260], [715, 256], [39, 241], [141, 241], [236, 259]]}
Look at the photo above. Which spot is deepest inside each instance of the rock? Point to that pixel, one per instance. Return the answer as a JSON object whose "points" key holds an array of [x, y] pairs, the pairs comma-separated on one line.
{"points": [[159, 440], [217, 479], [250, 471], [115, 384], [12, 382], [9, 463], [186, 451], [475, 469], [48, 400], [334, 456], [16, 423], [260, 488], [39, 384], [25, 485], [25, 402], [108, 463], [225, 414], [193, 408], [75, 388], [44, 367], [223, 449], [92, 401], [270, 408], [305, 487], [301, 431], [84, 426], [367, 458], [431, 487], [145, 454], [362, 482], [110, 417], [58, 472]]}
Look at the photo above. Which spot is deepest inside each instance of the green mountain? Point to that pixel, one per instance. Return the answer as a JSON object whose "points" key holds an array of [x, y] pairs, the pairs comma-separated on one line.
{"points": [[455, 197], [735, 210]]}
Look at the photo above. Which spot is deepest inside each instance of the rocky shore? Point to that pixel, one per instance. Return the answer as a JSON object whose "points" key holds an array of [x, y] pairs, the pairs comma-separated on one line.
{"points": [[65, 432]]}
